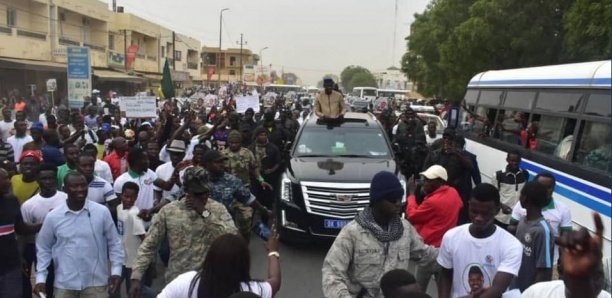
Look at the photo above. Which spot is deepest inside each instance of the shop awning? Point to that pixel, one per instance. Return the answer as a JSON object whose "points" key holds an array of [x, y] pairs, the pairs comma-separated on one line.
{"points": [[109, 75], [152, 76], [32, 65]]}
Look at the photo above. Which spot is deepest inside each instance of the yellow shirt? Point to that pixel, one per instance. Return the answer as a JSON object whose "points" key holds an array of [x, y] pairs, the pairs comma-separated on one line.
{"points": [[101, 149], [23, 190]]}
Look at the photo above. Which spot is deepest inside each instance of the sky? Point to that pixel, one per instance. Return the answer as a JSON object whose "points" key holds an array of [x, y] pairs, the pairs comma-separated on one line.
{"points": [[310, 38]]}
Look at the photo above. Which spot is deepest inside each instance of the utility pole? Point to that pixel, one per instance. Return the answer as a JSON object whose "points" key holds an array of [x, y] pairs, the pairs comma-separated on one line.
{"points": [[242, 42], [173, 50], [114, 5], [219, 56]]}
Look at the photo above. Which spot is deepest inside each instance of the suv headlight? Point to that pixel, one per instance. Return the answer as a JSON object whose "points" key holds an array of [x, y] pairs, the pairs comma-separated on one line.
{"points": [[286, 193]]}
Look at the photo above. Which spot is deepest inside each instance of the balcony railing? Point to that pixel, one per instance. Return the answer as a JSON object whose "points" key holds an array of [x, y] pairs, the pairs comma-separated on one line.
{"points": [[6, 30], [152, 58], [192, 65], [30, 34], [95, 47], [67, 42]]}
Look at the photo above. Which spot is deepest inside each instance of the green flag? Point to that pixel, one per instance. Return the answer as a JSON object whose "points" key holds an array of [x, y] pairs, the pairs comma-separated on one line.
{"points": [[167, 88]]}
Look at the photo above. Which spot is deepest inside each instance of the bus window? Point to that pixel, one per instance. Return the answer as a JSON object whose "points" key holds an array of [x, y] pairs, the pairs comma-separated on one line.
{"points": [[484, 124], [490, 97], [599, 104], [555, 135], [513, 122], [593, 149], [471, 96], [560, 101], [519, 99]]}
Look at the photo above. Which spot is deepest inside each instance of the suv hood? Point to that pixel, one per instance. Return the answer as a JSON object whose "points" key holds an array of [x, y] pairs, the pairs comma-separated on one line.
{"points": [[341, 170]]}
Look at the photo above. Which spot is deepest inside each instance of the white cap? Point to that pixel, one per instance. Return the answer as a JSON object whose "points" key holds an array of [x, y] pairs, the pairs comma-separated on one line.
{"points": [[434, 172]]}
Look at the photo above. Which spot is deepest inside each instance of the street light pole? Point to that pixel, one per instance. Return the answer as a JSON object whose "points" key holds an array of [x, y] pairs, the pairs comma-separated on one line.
{"points": [[242, 43], [261, 59], [219, 56]]}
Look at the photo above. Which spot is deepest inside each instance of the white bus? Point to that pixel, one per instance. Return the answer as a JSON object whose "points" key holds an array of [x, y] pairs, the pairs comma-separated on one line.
{"points": [[393, 93], [572, 105], [281, 89], [368, 93]]}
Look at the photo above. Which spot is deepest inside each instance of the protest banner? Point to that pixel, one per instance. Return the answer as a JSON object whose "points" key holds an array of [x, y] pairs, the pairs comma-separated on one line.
{"points": [[245, 102], [138, 106]]}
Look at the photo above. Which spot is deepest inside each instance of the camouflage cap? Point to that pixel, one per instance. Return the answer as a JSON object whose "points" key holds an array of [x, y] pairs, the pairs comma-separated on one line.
{"points": [[234, 136], [195, 180]]}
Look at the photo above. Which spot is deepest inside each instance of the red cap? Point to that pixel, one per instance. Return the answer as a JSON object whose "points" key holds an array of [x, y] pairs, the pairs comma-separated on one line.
{"points": [[31, 153]]}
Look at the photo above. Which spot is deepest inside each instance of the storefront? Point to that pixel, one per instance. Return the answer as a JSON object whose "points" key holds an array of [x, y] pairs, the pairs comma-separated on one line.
{"points": [[30, 77]]}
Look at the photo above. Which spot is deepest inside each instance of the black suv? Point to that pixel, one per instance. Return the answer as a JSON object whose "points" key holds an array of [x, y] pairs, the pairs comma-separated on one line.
{"points": [[328, 178]]}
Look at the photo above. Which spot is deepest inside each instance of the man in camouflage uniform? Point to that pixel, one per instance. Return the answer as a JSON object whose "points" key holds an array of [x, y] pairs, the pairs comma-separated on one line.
{"points": [[377, 241], [241, 163], [191, 225]]}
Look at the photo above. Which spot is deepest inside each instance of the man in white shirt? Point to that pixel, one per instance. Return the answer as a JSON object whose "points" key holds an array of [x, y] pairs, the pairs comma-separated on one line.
{"points": [[479, 247], [35, 209], [99, 190], [176, 150], [19, 139], [6, 125], [555, 212], [101, 168]]}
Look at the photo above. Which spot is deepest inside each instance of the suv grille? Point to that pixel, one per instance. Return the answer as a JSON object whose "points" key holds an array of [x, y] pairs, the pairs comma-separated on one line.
{"points": [[335, 200]]}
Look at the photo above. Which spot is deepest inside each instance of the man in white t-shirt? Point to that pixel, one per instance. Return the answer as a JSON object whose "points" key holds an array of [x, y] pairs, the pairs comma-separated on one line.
{"points": [[35, 209], [99, 190], [19, 139], [479, 247], [555, 213], [140, 174], [176, 150], [6, 125], [101, 168]]}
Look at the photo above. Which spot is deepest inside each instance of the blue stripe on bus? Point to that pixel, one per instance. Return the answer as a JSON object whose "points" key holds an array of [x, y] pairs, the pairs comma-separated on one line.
{"points": [[598, 193], [561, 82], [584, 201]]}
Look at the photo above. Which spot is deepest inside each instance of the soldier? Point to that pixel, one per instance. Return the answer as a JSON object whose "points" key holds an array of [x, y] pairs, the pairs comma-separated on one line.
{"points": [[242, 164], [191, 224], [378, 240]]}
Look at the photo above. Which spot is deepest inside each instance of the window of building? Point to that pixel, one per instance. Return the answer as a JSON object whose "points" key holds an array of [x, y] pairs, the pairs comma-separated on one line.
{"points": [[519, 99], [163, 51], [593, 147], [111, 41], [177, 55], [11, 17], [232, 72], [567, 102], [232, 60], [490, 97]]}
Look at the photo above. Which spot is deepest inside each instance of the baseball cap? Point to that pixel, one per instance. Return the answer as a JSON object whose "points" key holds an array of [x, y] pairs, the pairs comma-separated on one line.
{"points": [[31, 153], [37, 126], [435, 172]]}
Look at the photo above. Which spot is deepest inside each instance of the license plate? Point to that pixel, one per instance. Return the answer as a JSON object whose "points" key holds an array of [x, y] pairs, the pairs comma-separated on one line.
{"points": [[335, 223]]}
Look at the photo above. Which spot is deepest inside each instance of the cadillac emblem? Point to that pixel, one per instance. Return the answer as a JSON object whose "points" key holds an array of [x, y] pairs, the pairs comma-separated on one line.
{"points": [[344, 198]]}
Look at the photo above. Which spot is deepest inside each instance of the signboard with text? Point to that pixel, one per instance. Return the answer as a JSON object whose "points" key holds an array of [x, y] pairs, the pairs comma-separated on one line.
{"points": [[245, 102], [79, 76], [138, 106]]}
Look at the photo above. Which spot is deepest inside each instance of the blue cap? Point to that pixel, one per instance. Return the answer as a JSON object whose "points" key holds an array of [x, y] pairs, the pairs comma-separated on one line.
{"points": [[106, 127], [37, 126], [328, 81]]}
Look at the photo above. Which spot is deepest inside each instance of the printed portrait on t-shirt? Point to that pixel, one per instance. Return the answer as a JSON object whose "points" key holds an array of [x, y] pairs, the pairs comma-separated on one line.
{"points": [[475, 278]]}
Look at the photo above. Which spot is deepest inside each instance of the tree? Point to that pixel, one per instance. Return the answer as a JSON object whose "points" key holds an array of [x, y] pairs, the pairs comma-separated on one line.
{"points": [[362, 79], [587, 26], [347, 75]]}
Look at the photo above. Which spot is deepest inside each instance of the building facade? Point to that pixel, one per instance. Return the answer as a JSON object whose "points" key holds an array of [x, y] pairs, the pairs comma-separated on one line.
{"points": [[226, 65]]}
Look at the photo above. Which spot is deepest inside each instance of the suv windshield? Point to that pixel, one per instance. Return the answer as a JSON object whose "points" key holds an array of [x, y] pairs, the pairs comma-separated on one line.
{"points": [[342, 142], [369, 92]]}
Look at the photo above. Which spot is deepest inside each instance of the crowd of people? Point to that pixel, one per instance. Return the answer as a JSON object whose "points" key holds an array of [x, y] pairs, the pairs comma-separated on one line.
{"points": [[92, 200]]}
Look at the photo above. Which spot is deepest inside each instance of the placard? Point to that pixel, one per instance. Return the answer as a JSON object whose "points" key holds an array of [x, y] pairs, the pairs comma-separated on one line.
{"points": [[245, 102], [138, 106]]}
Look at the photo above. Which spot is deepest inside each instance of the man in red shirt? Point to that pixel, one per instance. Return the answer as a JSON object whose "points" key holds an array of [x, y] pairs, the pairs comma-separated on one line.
{"points": [[433, 210], [117, 160]]}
